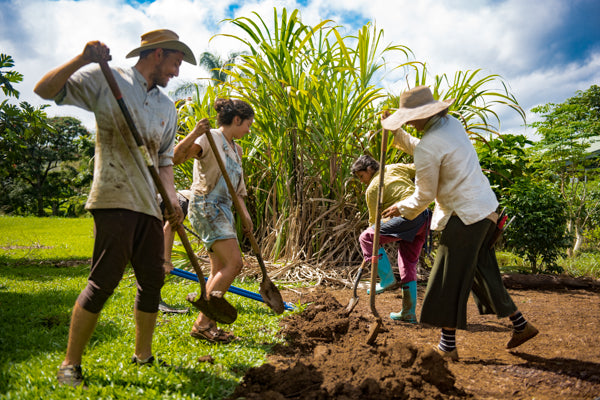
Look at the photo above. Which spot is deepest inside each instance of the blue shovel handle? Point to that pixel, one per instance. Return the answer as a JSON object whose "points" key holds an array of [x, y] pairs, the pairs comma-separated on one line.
{"points": [[233, 289]]}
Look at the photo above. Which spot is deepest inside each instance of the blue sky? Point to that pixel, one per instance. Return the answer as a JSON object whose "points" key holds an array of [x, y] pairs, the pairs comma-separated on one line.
{"points": [[544, 50]]}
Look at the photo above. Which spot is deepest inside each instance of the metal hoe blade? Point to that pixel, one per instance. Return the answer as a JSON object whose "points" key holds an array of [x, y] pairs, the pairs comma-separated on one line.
{"points": [[215, 308], [354, 300]]}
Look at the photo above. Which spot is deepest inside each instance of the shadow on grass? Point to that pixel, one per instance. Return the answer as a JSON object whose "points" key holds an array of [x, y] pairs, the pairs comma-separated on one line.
{"points": [[256, 308], [190, 381], [36, 299], [39, 323], [43, 269]]}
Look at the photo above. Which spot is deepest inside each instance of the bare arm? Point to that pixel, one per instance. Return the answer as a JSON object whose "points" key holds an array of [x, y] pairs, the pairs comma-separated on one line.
{"points": [[247, 224], [186, 148], [168, 180], [51, 83]]}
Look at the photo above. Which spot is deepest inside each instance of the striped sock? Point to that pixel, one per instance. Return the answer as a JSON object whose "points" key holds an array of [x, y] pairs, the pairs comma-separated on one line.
{"points": [[448, 340], [518, 322]]}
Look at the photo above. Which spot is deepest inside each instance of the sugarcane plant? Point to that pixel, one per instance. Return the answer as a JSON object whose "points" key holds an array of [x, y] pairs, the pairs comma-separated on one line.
{"points": [[315, 98]]}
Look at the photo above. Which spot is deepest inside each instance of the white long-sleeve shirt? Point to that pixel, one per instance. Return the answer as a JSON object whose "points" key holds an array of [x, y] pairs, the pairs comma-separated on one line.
{"points": [[447, 172]]}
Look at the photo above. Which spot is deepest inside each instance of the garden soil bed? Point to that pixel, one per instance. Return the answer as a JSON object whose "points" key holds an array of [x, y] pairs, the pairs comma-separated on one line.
{"points": [[325, 355]]}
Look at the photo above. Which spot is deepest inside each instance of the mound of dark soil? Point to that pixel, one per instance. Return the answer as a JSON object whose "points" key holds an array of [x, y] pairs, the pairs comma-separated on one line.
{"points": [[326, 357]]}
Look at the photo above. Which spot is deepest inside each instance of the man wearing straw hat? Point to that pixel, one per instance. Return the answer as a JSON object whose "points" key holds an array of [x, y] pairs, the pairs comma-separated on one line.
{"points": [[123, 198], [448, 171]]}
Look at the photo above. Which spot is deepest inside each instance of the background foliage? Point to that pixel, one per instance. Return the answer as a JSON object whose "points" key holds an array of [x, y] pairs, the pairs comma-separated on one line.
{"points": [[44, 163], [568, 131], [537, 204]]}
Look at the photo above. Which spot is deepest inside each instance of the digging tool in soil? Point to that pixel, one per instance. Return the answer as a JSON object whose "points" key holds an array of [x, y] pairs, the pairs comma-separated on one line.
{"points": [[376, 327], [232, 289], [268, 290], [374, 330], [252, 295], [354, 300], [214, 307]]}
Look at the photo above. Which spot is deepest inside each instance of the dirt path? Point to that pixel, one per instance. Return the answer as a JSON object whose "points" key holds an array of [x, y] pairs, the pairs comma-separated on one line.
{"points": [[326, 356]]}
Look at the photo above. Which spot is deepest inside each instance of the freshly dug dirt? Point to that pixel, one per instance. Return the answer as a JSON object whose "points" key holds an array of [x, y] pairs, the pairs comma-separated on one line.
{"points": [[325, 355]]}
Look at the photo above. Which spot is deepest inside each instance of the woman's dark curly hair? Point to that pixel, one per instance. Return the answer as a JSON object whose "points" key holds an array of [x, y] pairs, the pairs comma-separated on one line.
{"points": [[228, 109]]}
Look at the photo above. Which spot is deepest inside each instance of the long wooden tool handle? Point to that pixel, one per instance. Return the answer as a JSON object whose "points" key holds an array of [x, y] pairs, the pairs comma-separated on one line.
{"points": [[375, 253], [114, 87], [236, 201]]}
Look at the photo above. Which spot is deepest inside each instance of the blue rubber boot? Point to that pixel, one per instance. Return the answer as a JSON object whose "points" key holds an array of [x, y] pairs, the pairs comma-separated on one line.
{"points": [[384, 270], [409, 302]]}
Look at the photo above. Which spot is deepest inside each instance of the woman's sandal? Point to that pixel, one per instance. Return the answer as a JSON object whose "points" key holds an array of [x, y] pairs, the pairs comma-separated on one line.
{"points": [[212, 334]]}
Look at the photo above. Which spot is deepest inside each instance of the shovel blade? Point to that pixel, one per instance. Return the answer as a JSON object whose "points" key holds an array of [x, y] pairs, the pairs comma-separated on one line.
{"points": [[272, 296], [354, 300], [351, 304], [215, 308], [374, 331]]}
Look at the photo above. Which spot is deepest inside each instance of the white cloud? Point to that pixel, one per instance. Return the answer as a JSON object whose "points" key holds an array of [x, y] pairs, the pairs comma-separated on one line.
{"points": [[552, 85]]}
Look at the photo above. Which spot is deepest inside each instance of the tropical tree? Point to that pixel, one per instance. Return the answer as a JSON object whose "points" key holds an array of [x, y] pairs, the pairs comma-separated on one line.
{"points": [[69, 184], [593, 230], [538, 231], [217, 66], [8, 78], [45, 163], [568, 130], [42, 162], [505, 159]]}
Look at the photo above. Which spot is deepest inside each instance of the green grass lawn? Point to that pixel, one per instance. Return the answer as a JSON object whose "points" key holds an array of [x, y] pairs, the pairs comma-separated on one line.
{"points": [[32, 238], [38, 290]]}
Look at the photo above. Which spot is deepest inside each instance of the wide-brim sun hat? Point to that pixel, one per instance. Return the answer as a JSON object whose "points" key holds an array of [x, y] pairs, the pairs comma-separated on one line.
{"points": [[415, 104], [163, 39]]}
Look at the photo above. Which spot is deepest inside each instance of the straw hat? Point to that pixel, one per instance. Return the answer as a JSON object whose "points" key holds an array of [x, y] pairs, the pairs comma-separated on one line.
{"points": [[416, 103], [163, 39]]}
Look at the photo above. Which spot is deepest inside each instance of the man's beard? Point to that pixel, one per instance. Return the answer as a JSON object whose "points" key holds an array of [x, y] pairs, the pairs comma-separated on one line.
{"points": [[157, 78]]}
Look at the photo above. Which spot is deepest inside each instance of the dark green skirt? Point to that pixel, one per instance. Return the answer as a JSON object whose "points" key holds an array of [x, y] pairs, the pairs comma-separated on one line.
{"points": [[464, 263]]}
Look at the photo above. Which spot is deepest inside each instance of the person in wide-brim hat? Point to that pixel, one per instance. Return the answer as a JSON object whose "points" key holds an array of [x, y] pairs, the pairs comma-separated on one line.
{"points": [[415, 104], [447, 172], [163, 39]]}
